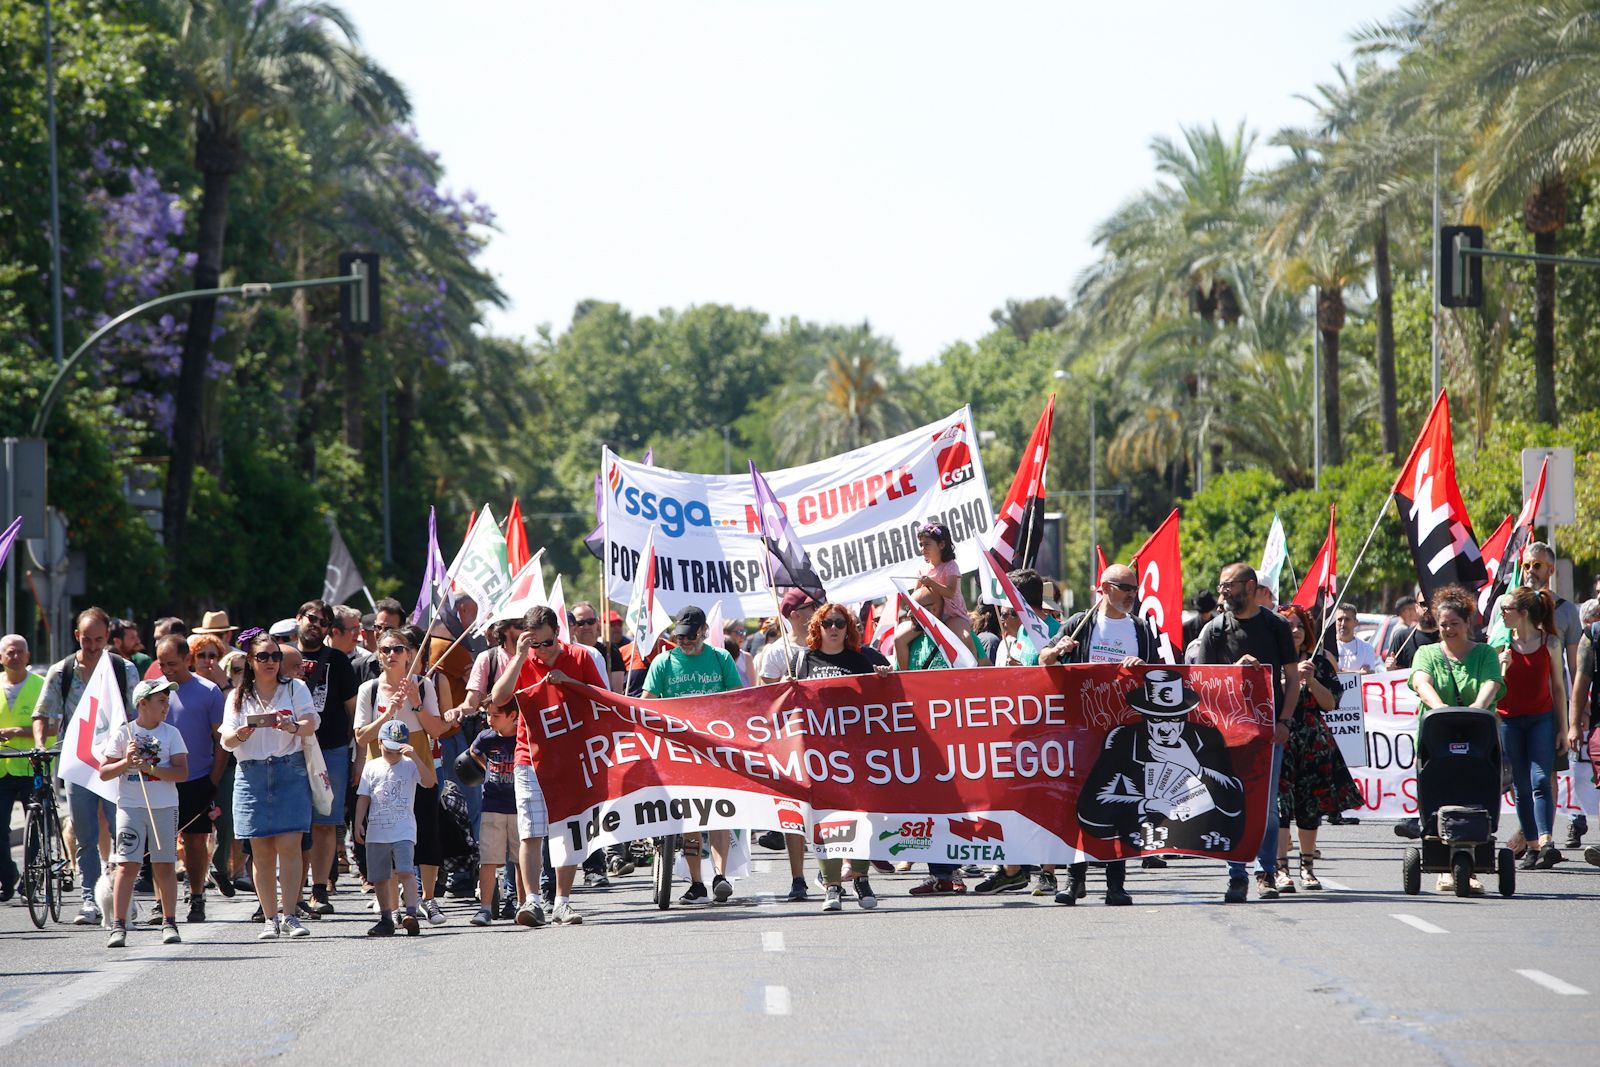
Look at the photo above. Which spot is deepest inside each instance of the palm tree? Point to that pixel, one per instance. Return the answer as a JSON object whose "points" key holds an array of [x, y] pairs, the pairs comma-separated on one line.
{"points": [[240, 63], [853, 399]]}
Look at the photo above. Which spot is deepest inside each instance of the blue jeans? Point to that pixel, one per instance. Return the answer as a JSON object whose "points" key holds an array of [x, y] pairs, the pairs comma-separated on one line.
{"points": [[88, 810], [1267, 856], [1528, 744], [14, 790]]}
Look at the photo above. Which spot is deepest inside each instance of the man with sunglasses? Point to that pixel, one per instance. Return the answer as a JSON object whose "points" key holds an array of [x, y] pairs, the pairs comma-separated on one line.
{"points": [[1245, 635], [586, 631], [328, 674], [696, 668], [345, 635], [1017, 649], [543, 657]]}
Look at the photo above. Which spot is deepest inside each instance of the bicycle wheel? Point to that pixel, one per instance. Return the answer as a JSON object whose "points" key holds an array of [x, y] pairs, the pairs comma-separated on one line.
{"points": [[56, 862], [666, 853], [35, 868]]}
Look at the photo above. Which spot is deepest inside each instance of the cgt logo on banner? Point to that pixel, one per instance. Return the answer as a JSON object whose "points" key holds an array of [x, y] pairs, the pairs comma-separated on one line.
{"points": [[1389, 780], [857, 515], [1031, 765]]}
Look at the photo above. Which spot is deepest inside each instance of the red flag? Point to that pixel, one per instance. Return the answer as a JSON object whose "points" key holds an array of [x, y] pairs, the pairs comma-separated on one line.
{"points": [[1019, 525], [1099, 565], [1517, 536], [1317, 588], [517, 555], [1443, 545], [1159, 565], [1494, 556]]}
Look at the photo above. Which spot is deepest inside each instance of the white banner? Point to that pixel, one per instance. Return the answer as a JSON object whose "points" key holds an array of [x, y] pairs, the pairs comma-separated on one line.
{"points": [[857, 515], [1347, 722], [1389, 780]]}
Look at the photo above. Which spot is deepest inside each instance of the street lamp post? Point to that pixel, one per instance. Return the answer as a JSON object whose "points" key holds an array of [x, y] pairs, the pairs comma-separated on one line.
{"points": [[57, 345]]}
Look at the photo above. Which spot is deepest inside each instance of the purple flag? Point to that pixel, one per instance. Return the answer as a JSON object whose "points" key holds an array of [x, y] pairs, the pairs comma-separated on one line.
{"points": [[435, 580], [9, 538], [791, 567]]}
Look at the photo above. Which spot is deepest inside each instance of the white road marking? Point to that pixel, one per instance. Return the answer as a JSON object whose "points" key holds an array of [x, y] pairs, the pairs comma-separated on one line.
{"points": [[772, 941], [1331, 884], [1420, 924], [1552, 983], [777, 1000]]}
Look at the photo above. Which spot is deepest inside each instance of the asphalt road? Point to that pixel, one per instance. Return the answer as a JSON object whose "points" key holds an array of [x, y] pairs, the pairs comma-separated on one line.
{"points": [[1357, 973]]}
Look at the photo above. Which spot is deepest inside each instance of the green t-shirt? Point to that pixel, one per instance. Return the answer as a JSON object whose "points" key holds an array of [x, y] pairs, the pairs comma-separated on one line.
{"points": [[1030, 655], [1457, 683], [678, 675]]}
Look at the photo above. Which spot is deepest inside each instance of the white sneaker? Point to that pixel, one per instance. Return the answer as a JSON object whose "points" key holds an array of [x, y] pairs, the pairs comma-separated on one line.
{"points": [[291, 926], [269, 931], [430, 908], [88, 915]]}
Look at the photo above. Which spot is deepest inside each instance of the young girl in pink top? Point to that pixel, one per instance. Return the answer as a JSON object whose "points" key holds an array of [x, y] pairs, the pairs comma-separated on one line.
{"points": [[938, 589]]}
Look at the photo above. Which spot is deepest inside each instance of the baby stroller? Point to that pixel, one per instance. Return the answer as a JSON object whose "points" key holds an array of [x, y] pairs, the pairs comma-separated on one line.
{"points": [[1458, 797]]}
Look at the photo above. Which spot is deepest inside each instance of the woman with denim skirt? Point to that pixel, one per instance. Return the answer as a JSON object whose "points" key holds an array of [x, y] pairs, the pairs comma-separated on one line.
{"points": [[271, 793], [1530, 735]]}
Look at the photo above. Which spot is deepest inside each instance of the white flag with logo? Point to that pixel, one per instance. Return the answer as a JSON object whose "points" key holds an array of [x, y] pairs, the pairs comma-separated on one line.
{"points": [[527, 591], [647, 620], [955, 652], [558, 604], [98, 715], [1275, 556], [479, 569]]}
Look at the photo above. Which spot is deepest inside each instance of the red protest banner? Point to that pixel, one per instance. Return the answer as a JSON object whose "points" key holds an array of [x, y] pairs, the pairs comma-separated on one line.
{"points": [[1025, 765]]}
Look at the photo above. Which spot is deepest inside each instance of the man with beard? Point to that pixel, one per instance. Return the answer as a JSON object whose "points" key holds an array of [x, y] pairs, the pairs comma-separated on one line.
{"points": [[327, 673]]}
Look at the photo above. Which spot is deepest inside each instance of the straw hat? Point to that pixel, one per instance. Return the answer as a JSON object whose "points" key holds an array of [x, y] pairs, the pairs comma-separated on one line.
{"points": [[215, 622]]}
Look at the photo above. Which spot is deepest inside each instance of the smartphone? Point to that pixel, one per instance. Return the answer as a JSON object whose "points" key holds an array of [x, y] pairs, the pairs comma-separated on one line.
{"points": [[264, 718]]}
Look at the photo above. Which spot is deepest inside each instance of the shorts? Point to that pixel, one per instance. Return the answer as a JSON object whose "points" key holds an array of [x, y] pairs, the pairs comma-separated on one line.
{"points": [[384, 858], [338, 761], [271, 797], [425, 806], [133, 835], [533, 820], [498, 838], [194, 804]]}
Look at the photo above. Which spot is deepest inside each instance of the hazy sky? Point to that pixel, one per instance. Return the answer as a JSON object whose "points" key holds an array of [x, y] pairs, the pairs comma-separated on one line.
{"points": [[913, 164]]}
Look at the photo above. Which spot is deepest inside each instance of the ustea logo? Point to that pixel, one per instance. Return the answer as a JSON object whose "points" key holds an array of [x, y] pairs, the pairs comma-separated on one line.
{"points": [[955, 459]]}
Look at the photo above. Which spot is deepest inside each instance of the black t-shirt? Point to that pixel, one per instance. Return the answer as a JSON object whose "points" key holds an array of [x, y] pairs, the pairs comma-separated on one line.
{"points": [[816, 664], [1264, 635], [613, 655], [1406, 650], [332, 681], [365, 665]]}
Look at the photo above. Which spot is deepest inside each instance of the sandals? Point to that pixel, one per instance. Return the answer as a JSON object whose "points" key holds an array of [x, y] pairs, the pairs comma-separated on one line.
{"points": [[1308, 877]]}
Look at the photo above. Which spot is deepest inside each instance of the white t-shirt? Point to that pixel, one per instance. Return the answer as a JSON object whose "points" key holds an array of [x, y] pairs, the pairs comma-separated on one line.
{"points": [[168, 742], [393, 789], [599, 664], [1356, 655], [1113, 640], [292, 696], [370, 703], [774, 657]]}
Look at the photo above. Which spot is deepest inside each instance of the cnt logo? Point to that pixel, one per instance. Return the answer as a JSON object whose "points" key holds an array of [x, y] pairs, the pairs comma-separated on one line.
{"points": [[671, 515], [955, 459], [838, 832]]}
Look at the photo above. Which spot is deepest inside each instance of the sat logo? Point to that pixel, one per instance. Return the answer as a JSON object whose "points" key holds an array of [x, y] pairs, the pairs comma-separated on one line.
{"points": [[955, 460]]}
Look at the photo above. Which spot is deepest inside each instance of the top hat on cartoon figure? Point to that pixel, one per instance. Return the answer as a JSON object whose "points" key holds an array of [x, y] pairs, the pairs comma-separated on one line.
{"points": [[1164, 696]]}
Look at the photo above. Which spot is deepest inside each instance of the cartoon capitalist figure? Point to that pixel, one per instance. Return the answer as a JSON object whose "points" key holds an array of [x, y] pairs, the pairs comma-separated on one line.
{"points": [[1166, 782]]}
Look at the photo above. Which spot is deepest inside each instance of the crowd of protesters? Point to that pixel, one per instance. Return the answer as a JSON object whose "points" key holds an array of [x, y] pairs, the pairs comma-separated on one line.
{"points": [[432, 782]]}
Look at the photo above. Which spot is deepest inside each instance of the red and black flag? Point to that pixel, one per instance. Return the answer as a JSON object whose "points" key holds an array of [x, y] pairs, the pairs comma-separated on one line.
{"points": [[1437, 527], [1494, 557], [1317, 591], [1019, 527], [1517, 538]]}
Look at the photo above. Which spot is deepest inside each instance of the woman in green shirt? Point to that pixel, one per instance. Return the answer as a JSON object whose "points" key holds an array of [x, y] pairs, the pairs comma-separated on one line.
{"points": [[1458, 672]]}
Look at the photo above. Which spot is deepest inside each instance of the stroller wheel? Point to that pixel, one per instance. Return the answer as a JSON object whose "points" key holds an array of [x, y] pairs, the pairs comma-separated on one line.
{"points": [[1461, 870], [1411, 867], [1507, 869]]}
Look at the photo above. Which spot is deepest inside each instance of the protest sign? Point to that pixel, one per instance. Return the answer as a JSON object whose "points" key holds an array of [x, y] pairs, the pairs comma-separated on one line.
{"points": [[1347, 722], [1030, 765], [855, 514]]}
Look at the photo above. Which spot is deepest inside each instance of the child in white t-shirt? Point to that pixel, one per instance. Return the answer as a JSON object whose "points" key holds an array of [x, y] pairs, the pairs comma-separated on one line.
{"points": [[386, 823], [150, 759]]}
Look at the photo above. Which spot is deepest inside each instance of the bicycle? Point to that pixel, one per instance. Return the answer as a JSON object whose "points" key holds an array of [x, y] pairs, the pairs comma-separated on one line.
{"points": [[666, 851], [45, 872]]}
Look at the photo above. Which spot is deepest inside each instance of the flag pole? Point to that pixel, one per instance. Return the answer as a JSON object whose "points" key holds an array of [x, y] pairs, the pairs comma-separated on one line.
{"points": [[370, 602], [777, 608], [1339, 596], [154, 835]]}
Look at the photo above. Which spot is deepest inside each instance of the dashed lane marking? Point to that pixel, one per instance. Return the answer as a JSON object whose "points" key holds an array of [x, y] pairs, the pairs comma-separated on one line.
{"points": [[1552, 983], [1420, 924]]}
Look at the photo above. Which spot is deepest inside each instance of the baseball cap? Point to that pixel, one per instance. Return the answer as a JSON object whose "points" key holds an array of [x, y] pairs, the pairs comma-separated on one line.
{"points": [[614, 617], [151, 686], [394, 734], [284, 629], [688, 622], [793, 599]]}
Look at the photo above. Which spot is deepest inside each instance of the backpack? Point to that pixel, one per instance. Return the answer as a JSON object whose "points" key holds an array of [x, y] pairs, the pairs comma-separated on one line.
{"points": [[119, 667]]}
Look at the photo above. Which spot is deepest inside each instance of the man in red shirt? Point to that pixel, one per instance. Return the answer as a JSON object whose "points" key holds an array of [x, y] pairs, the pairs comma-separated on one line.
{"points": [[544, 658]]}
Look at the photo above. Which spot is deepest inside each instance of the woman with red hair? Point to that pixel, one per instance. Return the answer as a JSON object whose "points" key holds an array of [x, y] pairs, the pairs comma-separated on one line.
{"points": [[1314, 780]]}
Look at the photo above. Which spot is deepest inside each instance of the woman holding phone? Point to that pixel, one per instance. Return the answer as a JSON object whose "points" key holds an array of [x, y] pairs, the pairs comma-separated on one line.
{"points": [[265, 718]]}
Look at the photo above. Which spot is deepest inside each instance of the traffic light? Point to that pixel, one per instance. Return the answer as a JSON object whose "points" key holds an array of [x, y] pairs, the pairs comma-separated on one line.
{"points": [[1460, 276], [359, 302]]}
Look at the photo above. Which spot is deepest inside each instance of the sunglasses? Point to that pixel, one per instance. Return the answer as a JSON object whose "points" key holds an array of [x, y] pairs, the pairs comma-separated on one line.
{"points": [[1009, 614], [546, 643], [834, 624], [1126, 587], [393, 650], [318, 619], [584, 622], [268, 657]]}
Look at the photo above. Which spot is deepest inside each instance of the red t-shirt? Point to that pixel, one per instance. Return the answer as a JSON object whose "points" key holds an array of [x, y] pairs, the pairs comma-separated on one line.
{"points": [[575, 662], [1527, 679]]}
